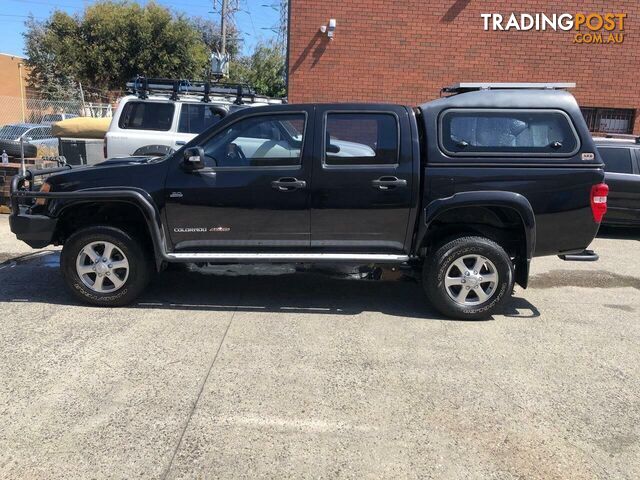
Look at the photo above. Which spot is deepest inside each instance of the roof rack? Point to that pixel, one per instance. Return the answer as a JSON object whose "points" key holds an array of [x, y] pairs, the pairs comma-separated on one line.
{"points": [[474, 86], [623, 136], [143, 86]]}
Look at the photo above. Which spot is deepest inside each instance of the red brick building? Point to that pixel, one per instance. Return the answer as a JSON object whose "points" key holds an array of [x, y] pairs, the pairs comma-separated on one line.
{"points": [[405, 50]]}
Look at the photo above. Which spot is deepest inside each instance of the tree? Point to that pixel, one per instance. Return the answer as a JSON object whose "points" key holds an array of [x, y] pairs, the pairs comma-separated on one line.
{"points": [[111, 42], [264, 69], [50, 76]]}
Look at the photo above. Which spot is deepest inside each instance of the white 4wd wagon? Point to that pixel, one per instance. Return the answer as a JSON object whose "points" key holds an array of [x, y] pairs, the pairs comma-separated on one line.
{"points": [[161, 115]]}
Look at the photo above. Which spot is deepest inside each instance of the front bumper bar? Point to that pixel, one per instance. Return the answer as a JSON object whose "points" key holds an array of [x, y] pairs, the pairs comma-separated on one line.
{"points": [[34, 230]]}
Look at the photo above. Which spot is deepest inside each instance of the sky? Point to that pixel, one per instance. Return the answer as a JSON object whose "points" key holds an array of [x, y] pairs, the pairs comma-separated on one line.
{"points": [[254, 20]]}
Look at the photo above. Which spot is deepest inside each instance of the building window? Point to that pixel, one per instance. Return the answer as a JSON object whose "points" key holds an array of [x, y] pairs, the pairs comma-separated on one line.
{"points": [[609, 120]]}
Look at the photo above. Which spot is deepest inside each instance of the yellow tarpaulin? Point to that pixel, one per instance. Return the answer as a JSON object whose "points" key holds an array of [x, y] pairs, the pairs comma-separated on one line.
{"points": [[81, 127]]}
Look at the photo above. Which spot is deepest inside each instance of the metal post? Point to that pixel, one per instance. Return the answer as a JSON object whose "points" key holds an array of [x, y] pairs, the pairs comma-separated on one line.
{"points": [[23, 167], [82, 99], [21, 90]]}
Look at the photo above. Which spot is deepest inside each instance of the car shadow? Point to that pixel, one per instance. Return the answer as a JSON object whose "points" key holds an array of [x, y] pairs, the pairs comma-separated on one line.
{"points": [[38, 279]]}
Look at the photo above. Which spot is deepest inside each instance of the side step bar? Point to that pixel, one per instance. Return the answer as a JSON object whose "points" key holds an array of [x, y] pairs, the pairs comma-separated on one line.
{"points": [[231, 257], [585, 256]]}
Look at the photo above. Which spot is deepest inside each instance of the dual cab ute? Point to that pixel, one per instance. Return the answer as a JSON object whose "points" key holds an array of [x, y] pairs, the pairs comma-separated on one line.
{"points": [[466, 190]]}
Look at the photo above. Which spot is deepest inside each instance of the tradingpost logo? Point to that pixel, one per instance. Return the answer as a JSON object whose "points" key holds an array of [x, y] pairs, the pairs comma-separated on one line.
{"points": [[587, 28]]}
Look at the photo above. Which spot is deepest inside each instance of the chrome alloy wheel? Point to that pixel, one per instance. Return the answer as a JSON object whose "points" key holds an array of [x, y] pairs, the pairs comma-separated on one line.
{"points": [[471, 280], [102, 267]]}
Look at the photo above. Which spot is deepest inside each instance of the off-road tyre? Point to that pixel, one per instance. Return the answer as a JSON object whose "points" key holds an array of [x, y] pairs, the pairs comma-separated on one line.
{"points": [[440, 262], [140, 265]]}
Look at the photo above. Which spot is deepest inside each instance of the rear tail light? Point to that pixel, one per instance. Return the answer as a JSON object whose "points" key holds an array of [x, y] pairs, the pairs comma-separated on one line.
{"points": [[599, 201]]}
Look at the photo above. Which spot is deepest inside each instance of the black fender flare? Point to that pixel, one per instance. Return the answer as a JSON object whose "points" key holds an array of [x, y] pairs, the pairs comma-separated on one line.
{"points": [[487, 198], [133, 196]]}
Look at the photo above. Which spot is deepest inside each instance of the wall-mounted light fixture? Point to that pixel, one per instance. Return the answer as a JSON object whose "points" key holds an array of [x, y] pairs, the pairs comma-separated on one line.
{"points": [[330, 28]]}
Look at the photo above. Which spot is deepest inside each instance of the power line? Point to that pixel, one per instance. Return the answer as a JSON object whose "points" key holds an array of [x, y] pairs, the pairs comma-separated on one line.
{"points": [[18, 16]]}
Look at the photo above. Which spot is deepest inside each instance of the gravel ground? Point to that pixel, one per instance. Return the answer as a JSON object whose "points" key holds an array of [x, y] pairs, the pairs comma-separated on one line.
{"points": [[309, 376]]}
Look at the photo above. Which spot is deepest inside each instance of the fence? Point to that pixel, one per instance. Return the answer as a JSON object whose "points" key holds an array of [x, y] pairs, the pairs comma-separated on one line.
{"points": [[38, 110]]}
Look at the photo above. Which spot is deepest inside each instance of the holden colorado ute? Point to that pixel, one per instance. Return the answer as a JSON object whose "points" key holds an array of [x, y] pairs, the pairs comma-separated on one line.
{"points": [[466, 190]]}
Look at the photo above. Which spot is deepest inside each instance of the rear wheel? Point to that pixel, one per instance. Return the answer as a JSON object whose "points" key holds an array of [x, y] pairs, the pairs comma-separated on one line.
{"points": [[105, 266], [468, 278]]}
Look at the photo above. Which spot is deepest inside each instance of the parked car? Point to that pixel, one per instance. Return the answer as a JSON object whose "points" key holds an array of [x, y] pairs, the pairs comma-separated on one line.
{"points": [[621, 157], [36, 137], [51, 118], [156, 121], [464, 190]]}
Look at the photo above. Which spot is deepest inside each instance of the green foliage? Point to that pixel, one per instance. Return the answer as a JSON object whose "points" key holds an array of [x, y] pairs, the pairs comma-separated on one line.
{"points": [[46, 48], [113, 41], [264, 70]]}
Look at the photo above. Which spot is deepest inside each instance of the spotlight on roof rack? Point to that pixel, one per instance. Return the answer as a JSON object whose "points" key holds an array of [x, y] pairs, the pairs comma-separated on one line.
{"points": [[474, 86]]}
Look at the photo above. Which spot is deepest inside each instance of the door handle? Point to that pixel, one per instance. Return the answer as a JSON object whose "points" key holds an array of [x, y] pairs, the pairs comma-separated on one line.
{"points": [[288, 184], [181, 142], [388, 183]]}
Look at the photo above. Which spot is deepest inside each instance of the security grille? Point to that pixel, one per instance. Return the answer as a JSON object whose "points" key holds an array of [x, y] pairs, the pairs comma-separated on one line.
{"points": [[609, 120]]}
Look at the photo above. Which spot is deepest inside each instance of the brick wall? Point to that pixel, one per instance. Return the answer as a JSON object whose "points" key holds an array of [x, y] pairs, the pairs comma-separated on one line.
{"points": [[404, 51]]}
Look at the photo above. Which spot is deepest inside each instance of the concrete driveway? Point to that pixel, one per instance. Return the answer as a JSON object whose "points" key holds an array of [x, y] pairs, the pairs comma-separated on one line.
{"points": [[309, 376]]}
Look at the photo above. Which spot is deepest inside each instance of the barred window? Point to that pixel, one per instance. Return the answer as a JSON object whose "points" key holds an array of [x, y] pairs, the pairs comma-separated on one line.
{"points": [[609, 120]]}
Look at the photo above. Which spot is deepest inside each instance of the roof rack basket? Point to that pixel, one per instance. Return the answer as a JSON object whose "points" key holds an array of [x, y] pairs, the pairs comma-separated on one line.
{"points": [[143, 86], [474, 86]]}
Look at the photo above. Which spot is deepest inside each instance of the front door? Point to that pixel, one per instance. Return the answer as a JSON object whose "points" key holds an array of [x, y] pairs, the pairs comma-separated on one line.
{"points": [[362, 180], [253, 192]]}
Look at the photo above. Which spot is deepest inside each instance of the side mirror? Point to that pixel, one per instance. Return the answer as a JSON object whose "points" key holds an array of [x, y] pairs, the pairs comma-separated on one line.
{"points": [[193, 158], [331, 148]]}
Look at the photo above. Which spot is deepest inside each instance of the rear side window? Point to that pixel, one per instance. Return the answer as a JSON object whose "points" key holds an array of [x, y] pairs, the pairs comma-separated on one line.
{"points": [[617, 160], [507, 132], [147, 116], [196, 118], [361, 139]]}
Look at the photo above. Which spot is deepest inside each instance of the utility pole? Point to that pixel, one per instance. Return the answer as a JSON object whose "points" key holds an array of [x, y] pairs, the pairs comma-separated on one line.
{"points": [[223, 27]]}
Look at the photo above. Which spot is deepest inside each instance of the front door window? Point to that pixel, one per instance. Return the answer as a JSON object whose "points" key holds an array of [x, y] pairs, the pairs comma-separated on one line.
{"points": [[274, 140]]}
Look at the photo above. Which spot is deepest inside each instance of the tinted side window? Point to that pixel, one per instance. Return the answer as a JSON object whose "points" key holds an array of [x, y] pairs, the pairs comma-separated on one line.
{"points": [[196, 118], [505, 132], [35, 133], [361, 139], [616, 159], [147, 116], [258, 141]]}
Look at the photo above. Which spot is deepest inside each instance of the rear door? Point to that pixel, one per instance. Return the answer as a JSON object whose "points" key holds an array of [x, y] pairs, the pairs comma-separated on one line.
{"points": [[623, 178], [362, 179]]}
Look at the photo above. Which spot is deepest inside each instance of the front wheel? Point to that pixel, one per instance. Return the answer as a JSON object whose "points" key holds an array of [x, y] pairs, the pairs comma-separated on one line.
{"points": [[468, 278], [105, 266]]}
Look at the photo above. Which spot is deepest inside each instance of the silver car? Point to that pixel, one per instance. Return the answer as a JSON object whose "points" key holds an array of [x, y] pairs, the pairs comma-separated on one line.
{"points": [[37, 139]]}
